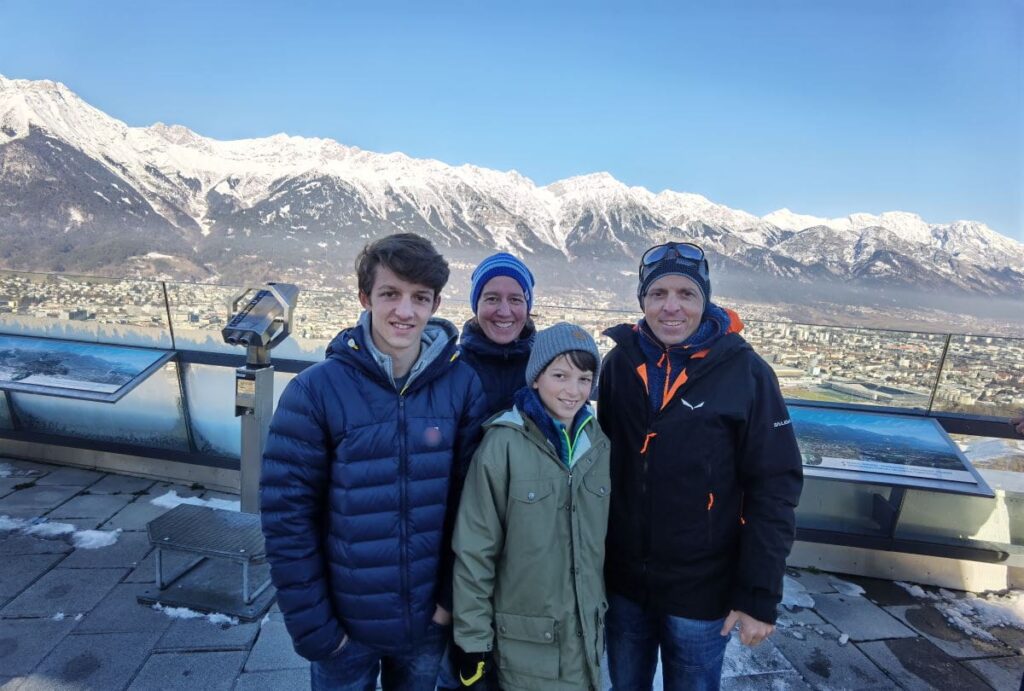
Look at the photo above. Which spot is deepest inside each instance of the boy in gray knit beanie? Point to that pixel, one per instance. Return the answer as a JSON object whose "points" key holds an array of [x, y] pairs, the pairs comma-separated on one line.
{"points": [[557, 340]]}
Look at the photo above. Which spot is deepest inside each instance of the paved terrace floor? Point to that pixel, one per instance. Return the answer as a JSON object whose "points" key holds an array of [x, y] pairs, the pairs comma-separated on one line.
{"points": [[69, 617]]}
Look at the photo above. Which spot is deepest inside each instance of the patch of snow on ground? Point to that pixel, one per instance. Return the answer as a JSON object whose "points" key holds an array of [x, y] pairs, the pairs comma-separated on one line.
{"points": [[186, 613], [845, 587], [974, 614], [5, 470], [171, 499], [86, 539], [59, 616], [94, 539], [795, 595], [844, 639]]}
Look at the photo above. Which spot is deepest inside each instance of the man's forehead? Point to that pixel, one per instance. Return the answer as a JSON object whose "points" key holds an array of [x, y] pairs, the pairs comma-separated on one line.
{"points": [[674, 282], [386, 278]]}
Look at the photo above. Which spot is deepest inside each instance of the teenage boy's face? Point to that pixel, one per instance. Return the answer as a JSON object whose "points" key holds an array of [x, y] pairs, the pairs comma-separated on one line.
{"points": [[501, 311], [563, 389], [399, 311], [673, 308]]}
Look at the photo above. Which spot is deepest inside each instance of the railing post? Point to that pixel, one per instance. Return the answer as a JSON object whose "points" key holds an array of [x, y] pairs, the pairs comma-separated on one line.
{"points": [[938, 375]]}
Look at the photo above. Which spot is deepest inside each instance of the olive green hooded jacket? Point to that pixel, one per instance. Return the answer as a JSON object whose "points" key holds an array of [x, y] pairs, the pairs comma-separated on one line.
{"points": [[529, 546]]}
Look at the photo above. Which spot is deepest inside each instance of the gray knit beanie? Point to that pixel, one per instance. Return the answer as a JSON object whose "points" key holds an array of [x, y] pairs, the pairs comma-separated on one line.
{"points": [[555, 340]]}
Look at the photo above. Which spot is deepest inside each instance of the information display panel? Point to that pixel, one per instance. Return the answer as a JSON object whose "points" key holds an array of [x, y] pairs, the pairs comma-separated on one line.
{"points": [[881, 448], [72, 369]]}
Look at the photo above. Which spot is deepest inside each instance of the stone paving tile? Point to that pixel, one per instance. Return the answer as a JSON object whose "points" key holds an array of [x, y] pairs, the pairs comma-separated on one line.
{"points": [[10, 683], [931, 623], [64, 590], [917, 664], [121, 484], [273, 681], [799, 616], [36, 501], [741, 660], [784, 681], [162, 488], [824, 663], [813, 582], [120, 612], [884, 593], [208, 671], [16, 544], [1013, 638], [999, 672], [273, 650], [28, 467], [79, 477], [25, 642], [861, 619], [128, 552], [95, 506], [94, 661], [7, 485], [200, 634], [18, 574], [136, 515]]}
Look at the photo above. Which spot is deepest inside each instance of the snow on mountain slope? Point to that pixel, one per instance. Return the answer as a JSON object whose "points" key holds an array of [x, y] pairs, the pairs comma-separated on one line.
{"points": [[296, 186]]}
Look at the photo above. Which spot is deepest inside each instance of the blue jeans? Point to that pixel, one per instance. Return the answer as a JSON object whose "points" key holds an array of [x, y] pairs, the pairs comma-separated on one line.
{"points": [[692, 651], [356, 667]]}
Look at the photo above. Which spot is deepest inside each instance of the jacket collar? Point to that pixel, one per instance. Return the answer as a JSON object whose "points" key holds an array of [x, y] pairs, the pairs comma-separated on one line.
{"points": [[476, 342], [355, 346]]}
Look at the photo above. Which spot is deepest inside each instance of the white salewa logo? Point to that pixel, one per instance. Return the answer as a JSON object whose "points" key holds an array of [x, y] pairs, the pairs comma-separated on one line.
{"points": [[691, 407]]}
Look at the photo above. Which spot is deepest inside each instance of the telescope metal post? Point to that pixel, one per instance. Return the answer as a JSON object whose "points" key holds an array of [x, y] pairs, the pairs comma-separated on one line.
{"points": [[254, 402]]}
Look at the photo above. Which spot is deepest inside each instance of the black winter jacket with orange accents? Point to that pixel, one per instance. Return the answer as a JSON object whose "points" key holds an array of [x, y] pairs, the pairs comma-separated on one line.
{"points": [[704, 490]]}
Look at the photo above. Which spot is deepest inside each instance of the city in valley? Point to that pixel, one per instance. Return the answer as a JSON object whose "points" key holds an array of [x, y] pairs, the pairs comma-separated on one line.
{"points": [[912, 369]]}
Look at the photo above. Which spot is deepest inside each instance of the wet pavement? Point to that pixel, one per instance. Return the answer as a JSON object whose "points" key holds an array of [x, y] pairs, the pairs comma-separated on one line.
{"points": [[69, 618]]}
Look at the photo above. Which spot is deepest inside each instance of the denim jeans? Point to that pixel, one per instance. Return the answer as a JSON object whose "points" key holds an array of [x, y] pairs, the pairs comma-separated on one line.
{"points": [[356, 667], [692, 651]]}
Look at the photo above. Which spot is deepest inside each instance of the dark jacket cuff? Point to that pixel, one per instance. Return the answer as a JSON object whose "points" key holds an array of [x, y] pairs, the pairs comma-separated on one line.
{"points": [[757, 603]]}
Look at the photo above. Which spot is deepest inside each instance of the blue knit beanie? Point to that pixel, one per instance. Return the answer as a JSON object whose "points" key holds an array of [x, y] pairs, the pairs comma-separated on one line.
{"points": [[501, 264]]}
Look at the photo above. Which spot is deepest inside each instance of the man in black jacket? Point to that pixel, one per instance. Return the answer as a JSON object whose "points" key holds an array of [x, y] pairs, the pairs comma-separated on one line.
{"points": [[706, 475]]}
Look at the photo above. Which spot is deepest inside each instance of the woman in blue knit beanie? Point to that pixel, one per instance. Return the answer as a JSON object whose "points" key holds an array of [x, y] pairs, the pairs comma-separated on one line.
{"points": [[496, 342]]}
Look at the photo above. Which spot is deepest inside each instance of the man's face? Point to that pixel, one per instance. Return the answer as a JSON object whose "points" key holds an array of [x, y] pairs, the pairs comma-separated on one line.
{"points": [[673, 307], [399, 311], [501, 311]]}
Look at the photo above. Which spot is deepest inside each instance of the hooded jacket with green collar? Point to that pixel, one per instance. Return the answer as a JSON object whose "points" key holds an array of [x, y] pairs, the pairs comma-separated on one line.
{"points": [[529, 544], [359, 487], [704, 487]]}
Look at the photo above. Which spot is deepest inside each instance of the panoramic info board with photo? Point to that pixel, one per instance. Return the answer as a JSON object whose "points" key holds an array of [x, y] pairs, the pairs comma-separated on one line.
{"points": [[70, 369], [882, 448]]}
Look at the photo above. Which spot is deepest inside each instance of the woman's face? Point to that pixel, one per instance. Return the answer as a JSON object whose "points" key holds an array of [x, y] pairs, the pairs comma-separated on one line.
{"points": [[501, 311]]}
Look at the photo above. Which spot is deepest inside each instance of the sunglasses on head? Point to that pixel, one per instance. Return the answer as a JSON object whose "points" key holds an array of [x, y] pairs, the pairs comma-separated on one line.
{"points": [[681, 252]]}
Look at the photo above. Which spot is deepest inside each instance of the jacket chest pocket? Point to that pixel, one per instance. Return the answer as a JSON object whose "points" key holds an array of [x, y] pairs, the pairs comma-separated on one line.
{"points": [[532, 519], [528, 645]]}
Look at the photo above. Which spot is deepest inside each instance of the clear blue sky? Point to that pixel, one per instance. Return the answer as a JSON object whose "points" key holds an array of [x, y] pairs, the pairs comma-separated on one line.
{"points": [[824, 106]]}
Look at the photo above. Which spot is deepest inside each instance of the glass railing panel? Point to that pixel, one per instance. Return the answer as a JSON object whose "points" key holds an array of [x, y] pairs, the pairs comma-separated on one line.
{"points": [[84, 308], [211, 405], [849, 365], [148, 416], [839, 506], [5, 414], [982, 375]]}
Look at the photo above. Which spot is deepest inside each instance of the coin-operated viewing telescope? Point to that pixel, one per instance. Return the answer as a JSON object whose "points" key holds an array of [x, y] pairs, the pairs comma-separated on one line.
{"points": [[261, 323]]}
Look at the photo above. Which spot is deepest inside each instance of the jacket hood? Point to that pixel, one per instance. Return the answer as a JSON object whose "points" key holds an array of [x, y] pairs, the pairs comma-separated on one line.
{"points": [[355, 345]]}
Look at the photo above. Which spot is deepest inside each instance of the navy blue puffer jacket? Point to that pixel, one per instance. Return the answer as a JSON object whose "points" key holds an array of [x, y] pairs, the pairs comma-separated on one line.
{"points": [[358, 489]]}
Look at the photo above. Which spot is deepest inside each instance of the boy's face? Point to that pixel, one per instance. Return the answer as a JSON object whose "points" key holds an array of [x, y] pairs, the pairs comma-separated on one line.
{"points": [[399, 310], [563, 389]]}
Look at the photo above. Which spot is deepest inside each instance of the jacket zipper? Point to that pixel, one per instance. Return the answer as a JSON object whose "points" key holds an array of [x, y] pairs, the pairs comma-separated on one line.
{"points": [[403, 463]]}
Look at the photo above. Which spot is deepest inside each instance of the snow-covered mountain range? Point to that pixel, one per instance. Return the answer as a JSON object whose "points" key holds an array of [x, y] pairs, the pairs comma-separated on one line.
{"points": [[82, 191]]}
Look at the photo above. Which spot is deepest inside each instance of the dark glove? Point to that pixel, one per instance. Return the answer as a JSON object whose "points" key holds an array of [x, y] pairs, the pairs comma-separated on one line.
{"points": [[473, 667]]}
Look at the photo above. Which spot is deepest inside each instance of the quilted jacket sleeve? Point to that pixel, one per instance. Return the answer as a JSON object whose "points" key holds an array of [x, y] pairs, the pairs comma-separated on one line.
{"points": [[467, 439], [771, 476], [293, 502]]}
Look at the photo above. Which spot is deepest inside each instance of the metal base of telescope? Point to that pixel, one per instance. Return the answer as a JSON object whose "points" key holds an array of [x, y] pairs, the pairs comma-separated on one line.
{"points": [[226, 572]]}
